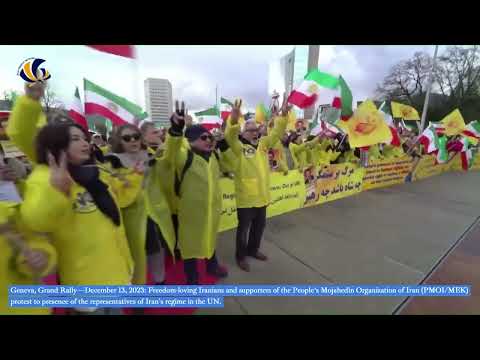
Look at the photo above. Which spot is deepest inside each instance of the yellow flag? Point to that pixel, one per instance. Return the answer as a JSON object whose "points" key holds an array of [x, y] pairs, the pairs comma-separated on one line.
{"points": [[292, 119], [454, 123], [404, 112], [366, 127]]}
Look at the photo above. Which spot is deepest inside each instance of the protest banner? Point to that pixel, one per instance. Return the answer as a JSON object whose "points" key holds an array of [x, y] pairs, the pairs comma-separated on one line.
{"points": [[381, 173], [228, 217], [455, 164], [287, 193], [338, 181], [427, 167]]}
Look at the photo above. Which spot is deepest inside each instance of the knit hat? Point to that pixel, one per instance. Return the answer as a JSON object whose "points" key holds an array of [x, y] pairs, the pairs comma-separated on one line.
{"points": [[194, 132]]}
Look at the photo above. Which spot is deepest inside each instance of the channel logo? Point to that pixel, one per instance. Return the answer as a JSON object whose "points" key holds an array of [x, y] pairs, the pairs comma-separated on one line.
{"points": [[31, 72]]}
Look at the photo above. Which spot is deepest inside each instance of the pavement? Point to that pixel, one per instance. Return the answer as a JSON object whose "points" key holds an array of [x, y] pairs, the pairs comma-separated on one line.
{"points": [[394, 235]]}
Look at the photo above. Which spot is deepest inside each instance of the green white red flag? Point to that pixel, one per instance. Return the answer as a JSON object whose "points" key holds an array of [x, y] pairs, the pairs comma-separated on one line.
{"points": [[76, 111], [210, 118], [99, 101]]}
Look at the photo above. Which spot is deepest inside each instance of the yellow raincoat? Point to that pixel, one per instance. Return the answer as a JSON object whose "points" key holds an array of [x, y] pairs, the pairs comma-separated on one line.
{"points": [[25, 120], [13, 270], [152, 202], [374, 153], [92, 250], [391, 152], [300, 153], [349, 156], [252, 176], [200, 201]]}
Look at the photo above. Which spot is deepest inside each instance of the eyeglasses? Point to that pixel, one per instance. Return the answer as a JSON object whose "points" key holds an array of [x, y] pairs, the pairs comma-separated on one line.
{"points": [[206, 137], [129, 138]]}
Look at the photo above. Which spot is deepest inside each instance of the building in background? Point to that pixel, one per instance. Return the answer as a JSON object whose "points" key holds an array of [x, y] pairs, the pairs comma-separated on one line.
{"points": [[158, 100], [288, 72]]}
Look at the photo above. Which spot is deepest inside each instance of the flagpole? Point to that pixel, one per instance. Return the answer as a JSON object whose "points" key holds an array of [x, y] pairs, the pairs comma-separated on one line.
{"points": [[427, 97]]}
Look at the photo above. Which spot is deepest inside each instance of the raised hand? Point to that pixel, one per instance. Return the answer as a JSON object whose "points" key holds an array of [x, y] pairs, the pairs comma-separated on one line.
{"points": [[286, 107], [139, 167], [236, 112], [37, 260], [178, 117], [59, 176]]}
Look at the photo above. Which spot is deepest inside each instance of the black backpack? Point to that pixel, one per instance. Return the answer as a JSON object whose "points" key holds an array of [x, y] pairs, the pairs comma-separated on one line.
{"points": [[188, 163]]}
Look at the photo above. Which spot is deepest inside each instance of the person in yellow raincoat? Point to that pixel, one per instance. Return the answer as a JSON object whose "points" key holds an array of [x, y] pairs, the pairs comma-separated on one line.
{"points": [[25, 258], [252, 180], [198, 175], [300, 151], [374, 153], [68, 198], [147, 237]]}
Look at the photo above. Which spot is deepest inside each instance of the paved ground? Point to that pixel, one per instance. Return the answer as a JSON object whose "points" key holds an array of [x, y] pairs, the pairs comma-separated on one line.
{"points": [[387, 236]]}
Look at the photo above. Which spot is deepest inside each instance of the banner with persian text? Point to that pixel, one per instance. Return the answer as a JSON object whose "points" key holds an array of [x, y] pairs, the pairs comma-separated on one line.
{"points": [[381, 173]]}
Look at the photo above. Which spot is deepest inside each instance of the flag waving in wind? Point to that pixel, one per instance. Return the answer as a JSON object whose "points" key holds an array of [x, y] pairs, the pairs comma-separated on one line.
{"points": [[210, 118], [225, 108], [404, 112], [99, 101], [76, 111], [127, 51], [366, 127], [307, 93]]}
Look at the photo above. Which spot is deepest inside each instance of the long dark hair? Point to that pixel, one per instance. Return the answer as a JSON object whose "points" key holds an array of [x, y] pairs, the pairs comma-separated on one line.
{"points": [[54, 138], [116, 144]]}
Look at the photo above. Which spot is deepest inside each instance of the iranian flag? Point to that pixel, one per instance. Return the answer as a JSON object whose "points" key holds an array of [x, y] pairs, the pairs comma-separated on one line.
{"points": [[210, 118], [76, 111], [127, 51], [441, 152], [395, 141], [431, 140], [347, 99], [307, 93], [225, 108], [472, 131], [466, 155], [99, 101]]}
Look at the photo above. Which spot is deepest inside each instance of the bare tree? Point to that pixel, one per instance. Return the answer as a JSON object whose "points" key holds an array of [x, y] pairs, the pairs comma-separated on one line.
{"points": [[50, 100], [458, 74], [406, 80]]}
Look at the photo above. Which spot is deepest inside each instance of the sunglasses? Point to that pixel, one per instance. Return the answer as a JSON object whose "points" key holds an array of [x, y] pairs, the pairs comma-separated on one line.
{"points": [[129, 138], [206, 137]]}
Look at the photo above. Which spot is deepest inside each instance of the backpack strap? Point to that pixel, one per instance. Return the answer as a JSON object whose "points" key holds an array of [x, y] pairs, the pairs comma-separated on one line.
{"points": [[178, 181]]}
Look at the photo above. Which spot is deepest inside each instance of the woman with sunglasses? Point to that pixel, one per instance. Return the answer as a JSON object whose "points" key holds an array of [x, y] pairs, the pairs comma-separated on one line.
{"points": [[199, 194], [148, 230]]}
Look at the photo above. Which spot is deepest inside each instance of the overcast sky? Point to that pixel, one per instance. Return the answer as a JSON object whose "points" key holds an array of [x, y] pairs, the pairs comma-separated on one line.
{"points": [[194, 71]]}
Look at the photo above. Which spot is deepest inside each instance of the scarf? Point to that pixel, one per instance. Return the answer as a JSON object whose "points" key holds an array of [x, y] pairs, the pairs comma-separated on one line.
{"points": [[88, 177]]}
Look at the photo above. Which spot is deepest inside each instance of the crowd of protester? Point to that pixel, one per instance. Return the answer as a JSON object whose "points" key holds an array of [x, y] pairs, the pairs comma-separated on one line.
{"points": [[108, 211]]}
